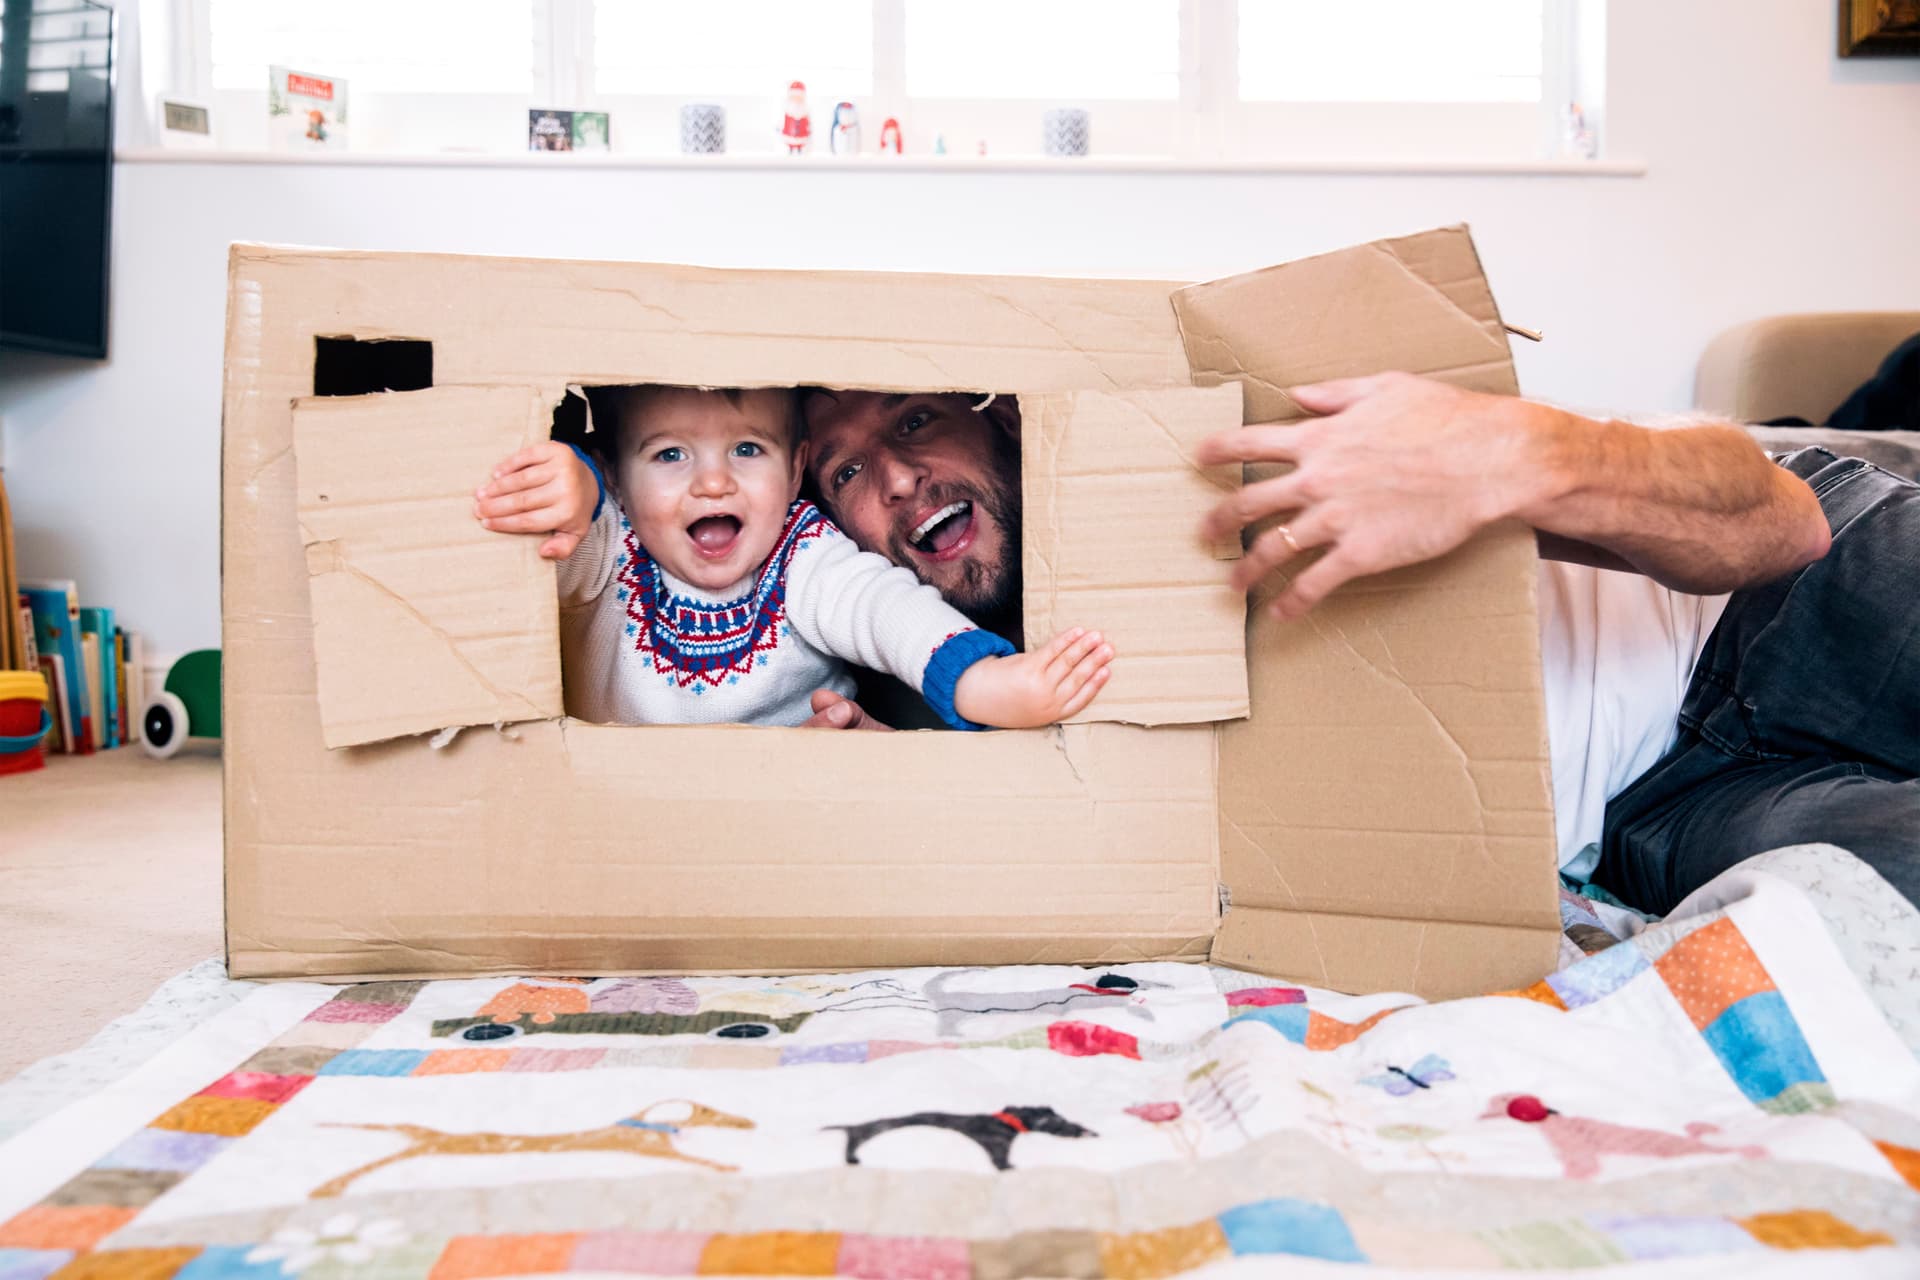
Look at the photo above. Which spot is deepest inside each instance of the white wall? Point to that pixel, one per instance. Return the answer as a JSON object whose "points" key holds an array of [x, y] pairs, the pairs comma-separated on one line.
{"points": [[1780, 179]]}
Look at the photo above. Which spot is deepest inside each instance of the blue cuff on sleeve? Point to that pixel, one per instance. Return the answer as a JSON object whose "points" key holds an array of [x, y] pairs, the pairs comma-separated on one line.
{"points": [[949, 662], [599, 481]]}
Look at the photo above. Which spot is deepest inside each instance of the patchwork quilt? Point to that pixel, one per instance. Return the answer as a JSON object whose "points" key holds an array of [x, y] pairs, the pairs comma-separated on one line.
{"points": [[1717, 1094]]}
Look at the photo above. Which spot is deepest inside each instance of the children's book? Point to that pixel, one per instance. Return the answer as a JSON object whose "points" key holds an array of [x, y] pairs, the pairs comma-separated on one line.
{"points": [[305, 111], [120, 684], [56, 629], [96, 695], [61, 739], [98, 623], [32, 651], [136, 684]]}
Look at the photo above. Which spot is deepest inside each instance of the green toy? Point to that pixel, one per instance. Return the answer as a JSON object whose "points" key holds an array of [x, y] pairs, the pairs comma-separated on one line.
{"points": [[188, 707]]}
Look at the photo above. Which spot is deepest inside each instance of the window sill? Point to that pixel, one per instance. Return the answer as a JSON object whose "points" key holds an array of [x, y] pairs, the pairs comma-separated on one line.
{"points": [[903, 164]]}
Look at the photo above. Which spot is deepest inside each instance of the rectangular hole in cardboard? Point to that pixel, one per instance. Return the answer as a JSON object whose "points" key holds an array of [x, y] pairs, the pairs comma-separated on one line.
{"points": [[351, 367], [586, 426]]}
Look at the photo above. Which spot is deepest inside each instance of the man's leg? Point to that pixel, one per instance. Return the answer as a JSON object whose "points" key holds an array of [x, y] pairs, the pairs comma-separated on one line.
{"points": [[1712, 812]]}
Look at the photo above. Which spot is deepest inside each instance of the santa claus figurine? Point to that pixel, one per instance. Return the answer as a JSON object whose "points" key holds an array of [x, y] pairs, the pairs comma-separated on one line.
{"points": [[797, 129], [890, 136], [845, 138]]}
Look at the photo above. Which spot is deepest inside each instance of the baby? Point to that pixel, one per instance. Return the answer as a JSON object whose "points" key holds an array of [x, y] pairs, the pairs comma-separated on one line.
{"points": [[708, 592]]}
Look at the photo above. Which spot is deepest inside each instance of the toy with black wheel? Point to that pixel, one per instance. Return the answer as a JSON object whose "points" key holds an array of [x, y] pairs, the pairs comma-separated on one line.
{"points": [[188, 706]]}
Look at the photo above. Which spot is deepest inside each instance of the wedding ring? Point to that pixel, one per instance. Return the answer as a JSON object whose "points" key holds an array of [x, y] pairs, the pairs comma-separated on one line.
{"points": [[1286, 536]]}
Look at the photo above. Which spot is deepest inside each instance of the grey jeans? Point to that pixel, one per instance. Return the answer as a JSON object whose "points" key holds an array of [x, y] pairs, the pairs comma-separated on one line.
{"points": [[1802, 722]]}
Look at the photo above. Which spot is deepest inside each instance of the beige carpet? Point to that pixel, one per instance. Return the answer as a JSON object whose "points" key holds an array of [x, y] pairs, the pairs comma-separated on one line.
{"points": [[109, 885]]}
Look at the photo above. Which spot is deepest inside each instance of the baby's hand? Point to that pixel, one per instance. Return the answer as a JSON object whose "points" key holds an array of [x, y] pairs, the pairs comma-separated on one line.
{"points": [[1028, 690], [544, 488]]}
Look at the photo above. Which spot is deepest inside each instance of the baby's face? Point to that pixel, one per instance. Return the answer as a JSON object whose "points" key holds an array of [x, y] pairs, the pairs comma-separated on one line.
{"points": [[707, 484]]}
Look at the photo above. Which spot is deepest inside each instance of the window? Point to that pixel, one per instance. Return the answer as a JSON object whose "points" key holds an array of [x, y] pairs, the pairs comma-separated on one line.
{"points": [[1230, 79], [378, 46], [1398, 51], [1062, 50], [745, 48]]}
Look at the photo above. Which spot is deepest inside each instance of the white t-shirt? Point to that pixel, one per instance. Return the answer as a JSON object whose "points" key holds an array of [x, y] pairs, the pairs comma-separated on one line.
{"points": [[1617, 651]]}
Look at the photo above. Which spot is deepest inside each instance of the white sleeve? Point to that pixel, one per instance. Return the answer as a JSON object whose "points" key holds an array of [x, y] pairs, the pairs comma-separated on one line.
{"points": [[863, 608], [586, 573]]}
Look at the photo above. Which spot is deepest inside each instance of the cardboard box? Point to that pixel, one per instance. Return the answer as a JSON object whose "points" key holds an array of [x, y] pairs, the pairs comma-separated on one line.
{"points": [[1360, 800]]}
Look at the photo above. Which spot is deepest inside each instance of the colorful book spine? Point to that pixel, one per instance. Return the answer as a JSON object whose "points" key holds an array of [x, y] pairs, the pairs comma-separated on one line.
{"points": [[96, 697], [61, 739], [98, 623], [136, 684], [32, 653], [120, 684], [56, 629]]}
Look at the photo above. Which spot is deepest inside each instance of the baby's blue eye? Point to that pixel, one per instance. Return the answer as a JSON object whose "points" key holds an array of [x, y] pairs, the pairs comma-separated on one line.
{"points": [[747, 449], [675, 454]]}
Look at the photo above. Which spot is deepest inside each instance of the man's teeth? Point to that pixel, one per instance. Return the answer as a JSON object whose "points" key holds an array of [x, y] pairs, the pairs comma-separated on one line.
{"points": [[934, 521]]}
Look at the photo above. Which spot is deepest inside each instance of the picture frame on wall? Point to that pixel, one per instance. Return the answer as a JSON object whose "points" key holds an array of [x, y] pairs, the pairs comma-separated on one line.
{"points": [[1880, 28]]}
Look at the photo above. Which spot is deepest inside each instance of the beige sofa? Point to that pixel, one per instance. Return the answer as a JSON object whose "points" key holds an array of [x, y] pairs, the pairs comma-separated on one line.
{"points": [[1804, 366]]}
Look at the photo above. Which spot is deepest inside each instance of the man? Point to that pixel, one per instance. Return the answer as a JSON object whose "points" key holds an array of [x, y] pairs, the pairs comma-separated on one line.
{"points": [[1758, 686], [931, 482]]}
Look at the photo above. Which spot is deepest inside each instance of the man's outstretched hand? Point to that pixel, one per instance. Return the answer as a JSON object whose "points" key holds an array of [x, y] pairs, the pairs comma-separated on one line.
{"points": [[832, 711], [1396, 470]]}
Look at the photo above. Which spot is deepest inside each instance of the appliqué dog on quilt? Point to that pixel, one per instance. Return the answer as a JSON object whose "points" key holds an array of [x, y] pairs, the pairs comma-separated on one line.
{"points": [[1109, 990], [994, 1132], [648, 1132], [1580, 1141]]}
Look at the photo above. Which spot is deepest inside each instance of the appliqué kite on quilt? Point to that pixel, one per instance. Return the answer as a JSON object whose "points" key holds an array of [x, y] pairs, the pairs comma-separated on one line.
{"points": [[1719, 1092]]}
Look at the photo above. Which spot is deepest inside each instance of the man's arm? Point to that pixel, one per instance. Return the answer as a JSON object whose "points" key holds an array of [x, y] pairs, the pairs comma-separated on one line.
{"points": [[1400, 469]]}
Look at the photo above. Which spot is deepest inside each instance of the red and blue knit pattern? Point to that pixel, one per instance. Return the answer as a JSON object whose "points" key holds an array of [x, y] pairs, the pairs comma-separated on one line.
{"points": [[698, 645]]}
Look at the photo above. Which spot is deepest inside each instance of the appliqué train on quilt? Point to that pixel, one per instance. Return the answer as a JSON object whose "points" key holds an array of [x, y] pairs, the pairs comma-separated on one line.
{"points": [[699, 642]]}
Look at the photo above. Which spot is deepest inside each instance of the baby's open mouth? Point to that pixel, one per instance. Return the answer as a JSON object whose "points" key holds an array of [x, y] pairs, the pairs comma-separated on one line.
{"points": [[714, 536], [945, 533]]}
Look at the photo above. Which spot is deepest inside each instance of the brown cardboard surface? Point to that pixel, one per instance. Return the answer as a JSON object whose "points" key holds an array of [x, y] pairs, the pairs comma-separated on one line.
{"points": [[560, 845], [421, 618], [1381, 819], [1394, 767], [1111, 494]]}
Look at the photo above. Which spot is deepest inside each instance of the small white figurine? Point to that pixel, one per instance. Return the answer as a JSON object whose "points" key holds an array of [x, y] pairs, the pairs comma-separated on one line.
{"points": [[844, 140], [797, 128]]}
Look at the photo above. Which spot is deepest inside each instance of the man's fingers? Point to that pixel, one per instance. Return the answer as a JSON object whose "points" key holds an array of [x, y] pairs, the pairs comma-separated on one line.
{"points": [[1078, 702], [1063, 661], [559, 546], [1278, 545], [1256, 501], [1338, 395], [1312, 586], [832, 711], [1261, 442]]}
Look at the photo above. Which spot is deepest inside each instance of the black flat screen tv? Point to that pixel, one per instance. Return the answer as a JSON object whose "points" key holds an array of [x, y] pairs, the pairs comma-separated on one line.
{"points": [[56, 176]]}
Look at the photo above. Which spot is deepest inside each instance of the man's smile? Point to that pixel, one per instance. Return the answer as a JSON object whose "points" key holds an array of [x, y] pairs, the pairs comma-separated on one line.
{"points": [[945, 533]]}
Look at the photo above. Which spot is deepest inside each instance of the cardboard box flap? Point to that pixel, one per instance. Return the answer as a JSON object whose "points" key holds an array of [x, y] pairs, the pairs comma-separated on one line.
{"points": [[1395, 765], [1420, 304], [421, 618], [1112, 500]]}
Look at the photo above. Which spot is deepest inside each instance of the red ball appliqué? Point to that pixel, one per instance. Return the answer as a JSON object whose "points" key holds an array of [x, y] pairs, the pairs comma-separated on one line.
{"points": [[1529, 1109]]}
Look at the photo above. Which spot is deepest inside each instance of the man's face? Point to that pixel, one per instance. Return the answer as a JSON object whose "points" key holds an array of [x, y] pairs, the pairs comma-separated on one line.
{"points": [[928, 482]]}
